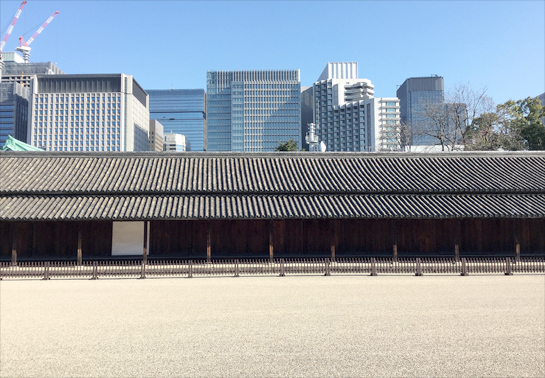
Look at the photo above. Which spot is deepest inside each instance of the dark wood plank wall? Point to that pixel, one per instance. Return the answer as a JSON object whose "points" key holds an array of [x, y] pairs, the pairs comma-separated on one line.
{"points": [[55, 240], [291, 238]]}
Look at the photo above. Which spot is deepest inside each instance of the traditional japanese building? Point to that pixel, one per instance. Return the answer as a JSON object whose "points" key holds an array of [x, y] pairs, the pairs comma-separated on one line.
{"points": [[219, 205]]}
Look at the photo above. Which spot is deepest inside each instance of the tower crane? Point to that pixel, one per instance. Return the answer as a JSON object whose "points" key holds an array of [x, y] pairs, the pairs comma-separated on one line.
{"points": [[23, 46], [6, 36]]}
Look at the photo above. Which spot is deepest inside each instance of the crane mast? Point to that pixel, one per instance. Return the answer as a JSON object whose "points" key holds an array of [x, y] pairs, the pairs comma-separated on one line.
{"points": [[23, 48], [6, 36]]}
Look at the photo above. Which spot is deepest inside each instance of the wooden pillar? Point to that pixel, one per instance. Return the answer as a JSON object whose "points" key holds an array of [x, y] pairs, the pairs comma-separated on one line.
{"points": [[393, 226], [34, 241], [334, 229], [145, 252], [517, 237], [271, 246], [14, 243], [457, 239], [79, 245], [209, 242]]}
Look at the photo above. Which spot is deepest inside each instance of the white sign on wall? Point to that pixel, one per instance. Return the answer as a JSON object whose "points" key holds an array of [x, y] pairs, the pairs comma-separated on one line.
{"points": [[128, 238]]}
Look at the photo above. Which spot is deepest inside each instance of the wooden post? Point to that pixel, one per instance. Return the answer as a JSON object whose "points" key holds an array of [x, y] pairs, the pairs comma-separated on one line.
{"points": [[373, 267], [516, 236], [334, 228], [418, 267], [271, 246], [14, 244], [209, 243], [236, 268], [457, 239], [79, 246], [394, 239], [508, 271], [145, 252], [326, 263], [464, 268]]}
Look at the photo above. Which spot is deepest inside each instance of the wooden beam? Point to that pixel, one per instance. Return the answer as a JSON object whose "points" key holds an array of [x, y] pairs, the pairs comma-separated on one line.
{"points": [[516, 237], [209, 242], [79, 245], [334, 234], [393, 225], [14, 243], [145, 252], [457, 239], [271, 245]]}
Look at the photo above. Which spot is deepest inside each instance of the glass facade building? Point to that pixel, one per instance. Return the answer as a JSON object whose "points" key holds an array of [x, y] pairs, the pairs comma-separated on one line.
{"points": [[414, 94], [180, 111], [13, 112], [252, 111]]}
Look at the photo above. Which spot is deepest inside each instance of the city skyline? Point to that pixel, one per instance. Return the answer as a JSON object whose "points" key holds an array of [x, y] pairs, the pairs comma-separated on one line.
{"points": [[397, 40]]}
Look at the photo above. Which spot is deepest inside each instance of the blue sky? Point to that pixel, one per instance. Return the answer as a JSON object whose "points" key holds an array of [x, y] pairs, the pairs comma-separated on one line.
{"points": [[499, 45]]}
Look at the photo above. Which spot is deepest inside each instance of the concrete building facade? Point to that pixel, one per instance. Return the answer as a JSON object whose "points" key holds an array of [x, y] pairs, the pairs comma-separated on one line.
{"points": [[348, 117], [156, 136], [252, 111], [177, 142], [89, 113]]}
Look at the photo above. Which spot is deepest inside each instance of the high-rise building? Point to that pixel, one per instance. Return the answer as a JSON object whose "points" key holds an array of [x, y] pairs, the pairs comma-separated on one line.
{"points": [[348, 117], [105, 112], [180, 111], [307, 101], [156, 138], [14, 100], [15, 94], [177, 142], [252, 111], [415, 95]]}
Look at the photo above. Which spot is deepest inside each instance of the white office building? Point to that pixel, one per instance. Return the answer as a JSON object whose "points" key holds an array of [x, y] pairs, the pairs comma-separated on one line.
{"points": [[348, 117], [89, 113], [177, 142]]}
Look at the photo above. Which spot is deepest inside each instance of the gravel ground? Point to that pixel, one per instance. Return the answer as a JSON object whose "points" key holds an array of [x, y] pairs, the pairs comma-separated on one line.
{"points": [[295, 326]]}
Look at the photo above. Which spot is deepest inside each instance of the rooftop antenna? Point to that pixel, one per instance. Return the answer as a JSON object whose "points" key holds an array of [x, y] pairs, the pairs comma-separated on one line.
{"points": [[23, 48]]}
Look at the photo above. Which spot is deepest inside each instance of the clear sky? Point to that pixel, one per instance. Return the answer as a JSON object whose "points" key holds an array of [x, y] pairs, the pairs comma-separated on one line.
{"points": [[499, 45]]}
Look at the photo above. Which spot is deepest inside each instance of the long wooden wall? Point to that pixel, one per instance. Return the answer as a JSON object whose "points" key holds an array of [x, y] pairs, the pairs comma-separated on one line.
{"points": [[56, 240], [284, 238]]}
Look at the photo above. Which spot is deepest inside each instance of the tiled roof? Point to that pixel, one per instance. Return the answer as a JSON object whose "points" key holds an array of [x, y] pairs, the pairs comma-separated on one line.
{"points": [[125, 207], [270, 185], [271, 173]]}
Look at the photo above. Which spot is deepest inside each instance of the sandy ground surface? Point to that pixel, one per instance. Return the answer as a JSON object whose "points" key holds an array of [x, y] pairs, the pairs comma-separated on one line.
{"points": [[355, 326]]}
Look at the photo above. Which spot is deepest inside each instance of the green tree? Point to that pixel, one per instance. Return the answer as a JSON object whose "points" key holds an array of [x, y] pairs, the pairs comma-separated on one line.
{"points": [[290, 145], [524, 117]]}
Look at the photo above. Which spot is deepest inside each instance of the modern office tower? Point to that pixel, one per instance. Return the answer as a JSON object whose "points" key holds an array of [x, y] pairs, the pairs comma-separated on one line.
{"points": [[105, 112], [252, 111], [414, 95], [348, 117], [307, 114], [14, 99], [181, 111], [156, 137], [177, 142]]}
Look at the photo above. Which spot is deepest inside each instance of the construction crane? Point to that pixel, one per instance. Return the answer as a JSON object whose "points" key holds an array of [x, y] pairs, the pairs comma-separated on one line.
{"points": [[6, 36], [23, 46]]}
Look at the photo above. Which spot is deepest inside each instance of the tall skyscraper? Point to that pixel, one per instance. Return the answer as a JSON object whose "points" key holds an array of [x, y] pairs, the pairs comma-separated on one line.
{"points": [[348, 117], [105, 112], [180, 111], [156, 137], [252, 111], [415, 94]]}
